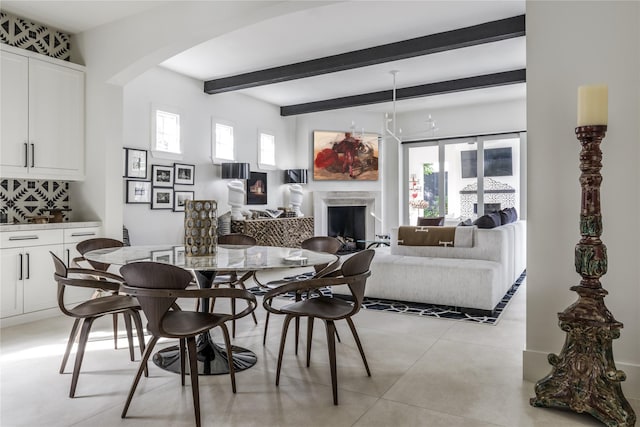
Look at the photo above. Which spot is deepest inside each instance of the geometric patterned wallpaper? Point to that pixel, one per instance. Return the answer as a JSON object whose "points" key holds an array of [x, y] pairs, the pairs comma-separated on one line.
{"points": [[20, 198], [27, 35]]}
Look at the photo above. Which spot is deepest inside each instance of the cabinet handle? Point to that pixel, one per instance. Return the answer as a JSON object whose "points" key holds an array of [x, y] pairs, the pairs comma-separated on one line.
{"points": [[24, 238], [68, 257], [85, 233], [20, 278], [28, 268], [26, 155], [33, 155]]}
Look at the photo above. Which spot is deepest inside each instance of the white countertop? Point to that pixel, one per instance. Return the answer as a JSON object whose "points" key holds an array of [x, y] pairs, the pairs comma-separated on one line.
{"points": [[49, 226]]}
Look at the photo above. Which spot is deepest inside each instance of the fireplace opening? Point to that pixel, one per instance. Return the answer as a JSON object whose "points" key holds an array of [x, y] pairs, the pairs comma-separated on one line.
{"points": [[347, 224]]}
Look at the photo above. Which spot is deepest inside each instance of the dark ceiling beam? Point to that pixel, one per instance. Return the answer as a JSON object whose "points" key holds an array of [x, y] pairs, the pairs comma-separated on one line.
{"points": [[430, 89], [455, 39]]}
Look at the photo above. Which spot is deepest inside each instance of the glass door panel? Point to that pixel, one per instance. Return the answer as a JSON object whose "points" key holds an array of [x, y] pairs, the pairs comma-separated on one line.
{"points": [[501, 174], [424, 188], [462, 182]]}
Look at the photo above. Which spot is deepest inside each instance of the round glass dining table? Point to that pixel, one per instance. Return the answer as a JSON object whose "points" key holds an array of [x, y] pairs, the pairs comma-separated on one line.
{"points": [[212, 357]]}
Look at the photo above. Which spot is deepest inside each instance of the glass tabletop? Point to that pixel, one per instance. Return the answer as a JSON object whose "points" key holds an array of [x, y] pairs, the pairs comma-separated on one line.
{"points": [[226, 258]]}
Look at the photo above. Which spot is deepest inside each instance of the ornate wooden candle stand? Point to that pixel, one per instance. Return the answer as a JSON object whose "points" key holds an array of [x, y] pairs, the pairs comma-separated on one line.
{"points": [[584, 377]]}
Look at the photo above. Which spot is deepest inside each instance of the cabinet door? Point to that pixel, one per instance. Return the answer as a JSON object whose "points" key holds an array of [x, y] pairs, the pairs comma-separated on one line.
{"points": [[40, 289], [14, 125], [11, 274], [56, 121]]}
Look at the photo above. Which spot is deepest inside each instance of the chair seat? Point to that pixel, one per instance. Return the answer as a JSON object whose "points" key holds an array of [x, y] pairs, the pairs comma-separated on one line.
{"points": [[179, 324], [105, 305], [325, 307]]}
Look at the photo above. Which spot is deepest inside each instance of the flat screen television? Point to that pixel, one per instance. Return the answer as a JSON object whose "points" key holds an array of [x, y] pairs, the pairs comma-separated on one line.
{"points": [[497, 162]]}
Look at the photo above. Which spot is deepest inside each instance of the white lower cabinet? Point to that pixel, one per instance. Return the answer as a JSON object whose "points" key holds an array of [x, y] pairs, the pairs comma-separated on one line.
{"points": [[26, 268], [27, 271]]}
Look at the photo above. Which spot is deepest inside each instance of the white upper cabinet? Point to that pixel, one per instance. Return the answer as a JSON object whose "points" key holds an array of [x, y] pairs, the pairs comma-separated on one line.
{"points": [[42, 121]]}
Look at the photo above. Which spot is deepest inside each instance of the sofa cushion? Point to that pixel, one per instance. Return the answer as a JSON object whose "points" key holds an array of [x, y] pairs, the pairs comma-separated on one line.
{"points": [[434, 221], [490, 220]]}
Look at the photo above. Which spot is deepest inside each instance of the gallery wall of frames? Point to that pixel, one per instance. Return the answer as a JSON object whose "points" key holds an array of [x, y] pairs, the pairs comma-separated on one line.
{"points": [[162, 187]]}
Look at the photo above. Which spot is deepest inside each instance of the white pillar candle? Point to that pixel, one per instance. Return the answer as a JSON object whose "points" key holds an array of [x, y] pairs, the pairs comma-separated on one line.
{"points": [[593, 106]]}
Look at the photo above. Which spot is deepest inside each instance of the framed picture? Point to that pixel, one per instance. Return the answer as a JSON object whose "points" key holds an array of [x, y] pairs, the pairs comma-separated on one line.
{"points": [[344, 156], [178, 255], [162, 198], [180, 198], [138, 191], [257, 189], [162, 176], [162, 256], [135, 163], [184, 174]]}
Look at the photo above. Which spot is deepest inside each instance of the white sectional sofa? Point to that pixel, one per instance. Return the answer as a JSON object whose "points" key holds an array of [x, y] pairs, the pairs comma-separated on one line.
{"points": [[473, 278]]}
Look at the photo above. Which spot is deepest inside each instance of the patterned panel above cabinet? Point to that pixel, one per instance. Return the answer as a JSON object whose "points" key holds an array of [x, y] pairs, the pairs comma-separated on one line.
{"points": [[21, 198], [21, 33]]}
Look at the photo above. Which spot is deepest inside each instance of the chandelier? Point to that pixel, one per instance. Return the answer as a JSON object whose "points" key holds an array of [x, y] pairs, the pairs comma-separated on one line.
{"points": [[393, 131]]}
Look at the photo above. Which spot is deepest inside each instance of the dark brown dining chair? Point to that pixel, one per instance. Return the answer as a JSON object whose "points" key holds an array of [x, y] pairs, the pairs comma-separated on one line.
{"points": [[88, 311], [101, 243], [355, 272], [326, 244], [157, 286], [231, 279]]}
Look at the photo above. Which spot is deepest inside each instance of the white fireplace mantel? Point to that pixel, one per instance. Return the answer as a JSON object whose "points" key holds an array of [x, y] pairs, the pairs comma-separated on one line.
{"points": [[322, 200]]}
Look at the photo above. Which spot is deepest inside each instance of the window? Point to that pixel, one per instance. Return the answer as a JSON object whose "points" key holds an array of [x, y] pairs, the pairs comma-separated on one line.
{"points": [[223, 148], [165, 131], [266, 151]]}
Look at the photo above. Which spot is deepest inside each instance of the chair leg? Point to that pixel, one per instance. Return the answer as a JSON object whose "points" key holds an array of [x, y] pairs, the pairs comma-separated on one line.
{"points": [[193, 373], [331, 344], [233, 314], [283, 339], [84, 336], [140, 333], [127, 325], [145, 357], [359, 344], [227, 344], [182, 360], [253, 313], [309, 338], [338, 336], [72, 338], [115, 330], [266, 325]]}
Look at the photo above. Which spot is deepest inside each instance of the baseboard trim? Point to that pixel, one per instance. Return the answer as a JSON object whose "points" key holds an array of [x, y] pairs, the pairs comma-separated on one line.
{"points": [[535, 367], [29, 317]]}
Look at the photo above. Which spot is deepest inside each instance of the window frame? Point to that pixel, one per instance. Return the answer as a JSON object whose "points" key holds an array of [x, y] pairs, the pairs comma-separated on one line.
{"points": [[162, 154], [261, 163], [215, 158]]}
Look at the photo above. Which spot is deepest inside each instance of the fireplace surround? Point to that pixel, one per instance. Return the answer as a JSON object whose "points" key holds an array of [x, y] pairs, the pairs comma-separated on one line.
{"points": [[322, 200]]}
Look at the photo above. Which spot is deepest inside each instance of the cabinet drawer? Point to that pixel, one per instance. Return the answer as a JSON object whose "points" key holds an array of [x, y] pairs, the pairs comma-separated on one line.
{"points": [[75, 235], [18, 239]]}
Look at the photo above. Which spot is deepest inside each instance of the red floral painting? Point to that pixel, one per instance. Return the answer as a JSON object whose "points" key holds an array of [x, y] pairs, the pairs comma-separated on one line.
{"points": [[345, 156]]}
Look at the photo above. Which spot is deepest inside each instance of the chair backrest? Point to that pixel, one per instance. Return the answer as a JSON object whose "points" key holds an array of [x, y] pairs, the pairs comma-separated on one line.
{"points": [[430, 222], [326, 244], [98, 243], [154, 275], [61, 276], [357, 264], [237, 239]]}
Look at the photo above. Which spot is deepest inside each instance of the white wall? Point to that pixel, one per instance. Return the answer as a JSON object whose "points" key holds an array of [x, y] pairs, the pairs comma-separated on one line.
{"points": [[159, 86], [570, 44], [118, 52]]}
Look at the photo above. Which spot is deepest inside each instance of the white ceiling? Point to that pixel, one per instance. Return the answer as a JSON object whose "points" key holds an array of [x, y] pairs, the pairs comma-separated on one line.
{"points": [[332, 28]]}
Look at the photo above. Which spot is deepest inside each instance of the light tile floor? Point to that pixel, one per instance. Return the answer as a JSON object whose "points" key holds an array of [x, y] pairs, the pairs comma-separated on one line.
{"points": [[426, 372]]}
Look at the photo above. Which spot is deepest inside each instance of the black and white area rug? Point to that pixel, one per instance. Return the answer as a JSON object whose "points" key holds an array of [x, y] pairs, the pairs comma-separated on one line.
{"points": [[427, 310]]}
